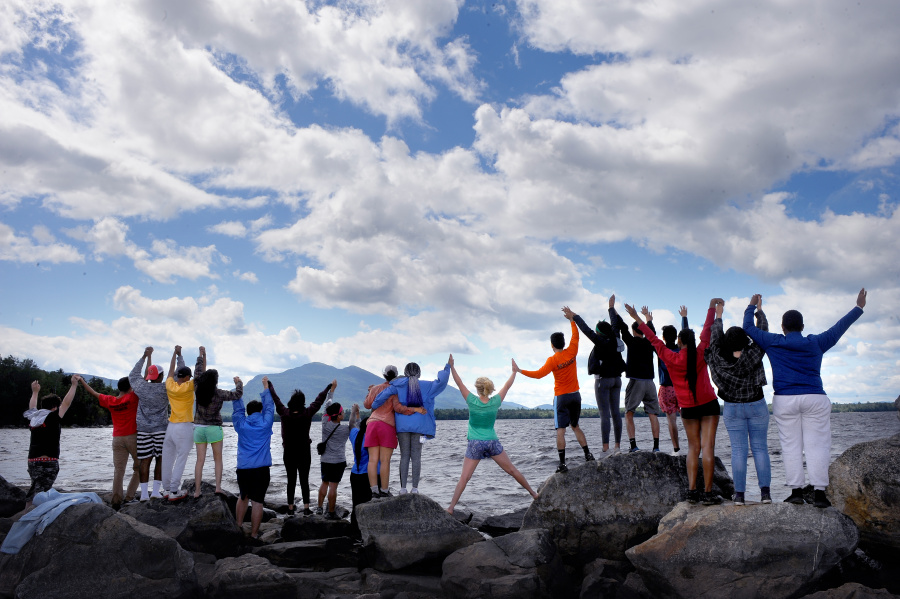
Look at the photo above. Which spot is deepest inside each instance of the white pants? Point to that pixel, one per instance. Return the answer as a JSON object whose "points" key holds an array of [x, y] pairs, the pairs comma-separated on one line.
{"points": [[176, 448], [804, 426]]}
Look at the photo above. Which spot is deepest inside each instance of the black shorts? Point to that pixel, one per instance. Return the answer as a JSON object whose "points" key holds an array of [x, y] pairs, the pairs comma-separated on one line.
{"points": [[567, 408], [253, 483], [710, 408], [333, 473]]}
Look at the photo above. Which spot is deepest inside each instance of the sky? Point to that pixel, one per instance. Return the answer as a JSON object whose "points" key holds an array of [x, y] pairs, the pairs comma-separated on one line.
{"points": [[373, 182]]}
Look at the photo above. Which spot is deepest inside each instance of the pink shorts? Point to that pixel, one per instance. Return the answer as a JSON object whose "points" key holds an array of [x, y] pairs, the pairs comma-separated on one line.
{"points": [[667, 401], [379, 434]]}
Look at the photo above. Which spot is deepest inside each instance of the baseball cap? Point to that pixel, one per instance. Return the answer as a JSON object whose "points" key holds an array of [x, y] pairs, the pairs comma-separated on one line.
{"points": [[153, 372]]}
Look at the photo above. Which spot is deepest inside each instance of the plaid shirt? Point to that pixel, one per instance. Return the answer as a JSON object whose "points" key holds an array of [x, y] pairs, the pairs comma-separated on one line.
{"points": [[741, 381]]}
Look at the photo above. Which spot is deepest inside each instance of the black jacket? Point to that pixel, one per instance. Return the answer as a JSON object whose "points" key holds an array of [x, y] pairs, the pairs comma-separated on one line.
{"points": [[639, 364], [605, 359]]}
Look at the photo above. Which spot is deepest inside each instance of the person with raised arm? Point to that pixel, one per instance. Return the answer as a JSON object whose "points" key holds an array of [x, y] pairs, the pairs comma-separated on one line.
{"points": [[413, 429], [296, 419], [699, 408], [123, 411], [482, 439], [566, 392], [735, 365], [606, 365], [45, 426], [152, 419], [800, 406], [179, 437], [208, 419], [666, 391], [640, 375], [254, 456], [334, 458]]}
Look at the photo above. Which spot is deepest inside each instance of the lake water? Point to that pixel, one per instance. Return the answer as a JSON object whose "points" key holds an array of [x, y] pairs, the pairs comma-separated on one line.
{"points": [[531, 444]]}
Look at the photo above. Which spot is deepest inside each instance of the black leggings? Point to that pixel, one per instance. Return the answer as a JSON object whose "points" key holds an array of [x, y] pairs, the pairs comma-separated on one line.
{"points": [[297, 459]]}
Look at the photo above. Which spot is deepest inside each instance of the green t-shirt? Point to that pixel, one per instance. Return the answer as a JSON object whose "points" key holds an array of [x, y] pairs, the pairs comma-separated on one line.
{"points": [[482, 417]]}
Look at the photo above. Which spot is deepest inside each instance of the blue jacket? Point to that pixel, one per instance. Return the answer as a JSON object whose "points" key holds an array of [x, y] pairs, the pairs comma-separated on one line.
{"points": [[254, 433], [797, 360], [50, 504], [423, 424]]}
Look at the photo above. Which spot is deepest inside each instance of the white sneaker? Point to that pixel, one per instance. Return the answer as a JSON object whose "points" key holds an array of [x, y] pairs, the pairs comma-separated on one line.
{"points": [[159, 495], [414, 491], [676, 453], [143, 498], [178, 496], [403, 491]]}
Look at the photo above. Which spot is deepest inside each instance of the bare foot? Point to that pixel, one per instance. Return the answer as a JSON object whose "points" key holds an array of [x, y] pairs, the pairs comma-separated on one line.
{"points": [[535, 496], [196, 495], [450, 510]]}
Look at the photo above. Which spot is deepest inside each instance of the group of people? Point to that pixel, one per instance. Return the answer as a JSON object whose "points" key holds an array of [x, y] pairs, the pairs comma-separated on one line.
{"points": [[161, 418]]}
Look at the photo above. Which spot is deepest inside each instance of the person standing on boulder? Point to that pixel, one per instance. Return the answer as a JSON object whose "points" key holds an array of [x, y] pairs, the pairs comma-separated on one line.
{"points": [[699, 408], [668, 403], [800, 406], [45, 425], [152, 419], [413, 429], [208, 419], [640, 375], [180, 431], [254, 456], [334, 458], [482, 439], [123, 411], [566, 392]]}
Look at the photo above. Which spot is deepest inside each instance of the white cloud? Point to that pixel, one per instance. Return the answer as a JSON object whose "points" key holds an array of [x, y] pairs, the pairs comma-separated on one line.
{"points": [[249, 277], [15, 248], [231, 228]]}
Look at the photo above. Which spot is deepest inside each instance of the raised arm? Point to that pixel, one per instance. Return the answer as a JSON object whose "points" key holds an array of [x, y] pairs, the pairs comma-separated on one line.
{"points": [[762, 323], [457, 379], [354, 416], [35, 389], [716, 330], [90, 389], [67, 400], [175, 354], [759, 336], [829, 338], [588, 332], [200, 366], [148, 353], [710, 316], [320, 399], [573, 341], [134, 377], [684, 321], [505, 388], [440, 382], [268, 406]]}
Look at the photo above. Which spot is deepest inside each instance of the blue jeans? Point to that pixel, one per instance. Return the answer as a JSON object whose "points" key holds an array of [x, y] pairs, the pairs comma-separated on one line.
{"points": [[743, 421]]}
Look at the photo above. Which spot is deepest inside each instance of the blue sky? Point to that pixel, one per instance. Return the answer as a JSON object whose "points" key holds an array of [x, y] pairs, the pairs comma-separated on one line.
{"points": [[380, 182]]}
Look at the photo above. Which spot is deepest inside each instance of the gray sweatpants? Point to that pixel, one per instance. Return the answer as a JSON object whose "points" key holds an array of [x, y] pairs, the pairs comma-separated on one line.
{"points": [[410, 447]]}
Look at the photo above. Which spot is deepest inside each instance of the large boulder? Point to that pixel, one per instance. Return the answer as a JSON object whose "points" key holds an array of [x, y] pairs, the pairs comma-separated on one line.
{"points": [[320, 554], [12, 499], [503, 524], [776, 550], [308, 528], [391, 585], [515, 566], [204, 524], [90, 551], [602, 508], [250, 576], [852, 590], [409, 529], [865, 485]]}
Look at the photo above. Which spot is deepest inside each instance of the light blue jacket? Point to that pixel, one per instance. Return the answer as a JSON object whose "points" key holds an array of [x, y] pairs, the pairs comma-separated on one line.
{"points": [[254, 433], [423, 424], [50, 504]]}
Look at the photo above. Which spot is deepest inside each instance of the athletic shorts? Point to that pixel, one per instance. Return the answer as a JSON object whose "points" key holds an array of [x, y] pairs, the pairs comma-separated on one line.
{"points": [[253, 483], [567, 409], [333, 473], [43, 473], [150, 445], [639, 390], [208, 433], [479, 450], [710, 408], [380, 434], [667, 401]]}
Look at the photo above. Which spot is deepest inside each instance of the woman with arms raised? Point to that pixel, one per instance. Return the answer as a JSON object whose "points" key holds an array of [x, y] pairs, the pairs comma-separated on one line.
{"points": [[483, 441]]}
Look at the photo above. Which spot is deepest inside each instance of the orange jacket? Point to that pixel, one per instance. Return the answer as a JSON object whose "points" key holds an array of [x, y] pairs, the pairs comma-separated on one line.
{"points": [[562, 365]]}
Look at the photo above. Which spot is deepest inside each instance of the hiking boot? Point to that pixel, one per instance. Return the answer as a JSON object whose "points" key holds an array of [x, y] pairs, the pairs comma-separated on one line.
{"points": [[711, 498], [738, 498], [693, 496], [562, 468], [796, 497], [766, 497], [821, 501], [589, 457]]}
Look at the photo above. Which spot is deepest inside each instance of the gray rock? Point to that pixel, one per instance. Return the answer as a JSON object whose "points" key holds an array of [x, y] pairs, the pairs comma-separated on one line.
{"points": [[776, 550], [609, 568], [865, 485], [307, 528], [503, 524], [250, 576], [387, 585], [320, 554], [12, 499], [462, 514], [335, 583], [852, 590], [410, 529], [602, 508], [202, 524], [517, 565], [634, 588], [90, 551]]}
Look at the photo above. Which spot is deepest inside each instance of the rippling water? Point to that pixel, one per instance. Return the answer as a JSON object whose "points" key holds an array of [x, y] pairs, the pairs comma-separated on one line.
{"points": [[531, 444]]}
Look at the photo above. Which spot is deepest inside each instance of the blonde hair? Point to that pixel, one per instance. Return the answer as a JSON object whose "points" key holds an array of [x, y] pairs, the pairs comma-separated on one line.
{"points": [[484, 386]]}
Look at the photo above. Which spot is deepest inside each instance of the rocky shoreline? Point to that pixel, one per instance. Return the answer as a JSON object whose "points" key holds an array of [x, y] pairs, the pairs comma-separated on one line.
{"points": [[615, 528]]}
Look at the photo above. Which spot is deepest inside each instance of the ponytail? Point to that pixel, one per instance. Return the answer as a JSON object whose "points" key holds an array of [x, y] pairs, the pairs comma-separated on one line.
{"points": [[690, 346], [358, 444]]}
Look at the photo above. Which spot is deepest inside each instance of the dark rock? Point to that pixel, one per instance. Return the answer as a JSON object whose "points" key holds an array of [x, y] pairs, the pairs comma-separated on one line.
{"points": [[401, 531], [852, 590], [516, 565], [596, 586], [307, 528], [462, 514], [320, 554], [864, 570], [270, 532], [12, 499], [609, 568], [776, 550], [602, 508], [634, 588], [503, 524], [388, 585], [337, 582], [865, 485], [90, 551], [250, 576], [202, 524]]}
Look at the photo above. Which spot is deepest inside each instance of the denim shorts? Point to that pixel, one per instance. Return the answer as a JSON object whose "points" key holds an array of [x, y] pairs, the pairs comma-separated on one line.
{"points": [[479, 450]]}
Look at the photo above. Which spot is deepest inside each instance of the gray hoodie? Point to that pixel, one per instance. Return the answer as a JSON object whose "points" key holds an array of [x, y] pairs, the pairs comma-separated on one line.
{"points": [[153, 402]]}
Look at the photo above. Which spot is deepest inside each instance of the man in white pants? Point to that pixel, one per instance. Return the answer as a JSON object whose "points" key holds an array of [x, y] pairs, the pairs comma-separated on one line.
{"points": [[800, 406]]}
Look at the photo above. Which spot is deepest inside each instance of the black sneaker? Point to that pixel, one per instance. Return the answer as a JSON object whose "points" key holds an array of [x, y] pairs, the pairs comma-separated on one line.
{"points": [[589, 457], [307, 512], [821, 501], [291, 511], [693, 496], [562, 468], [711, 498], [331, 516], [319, 511], [796, 497], [385, 493], [766, 497], [738, 498]]}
